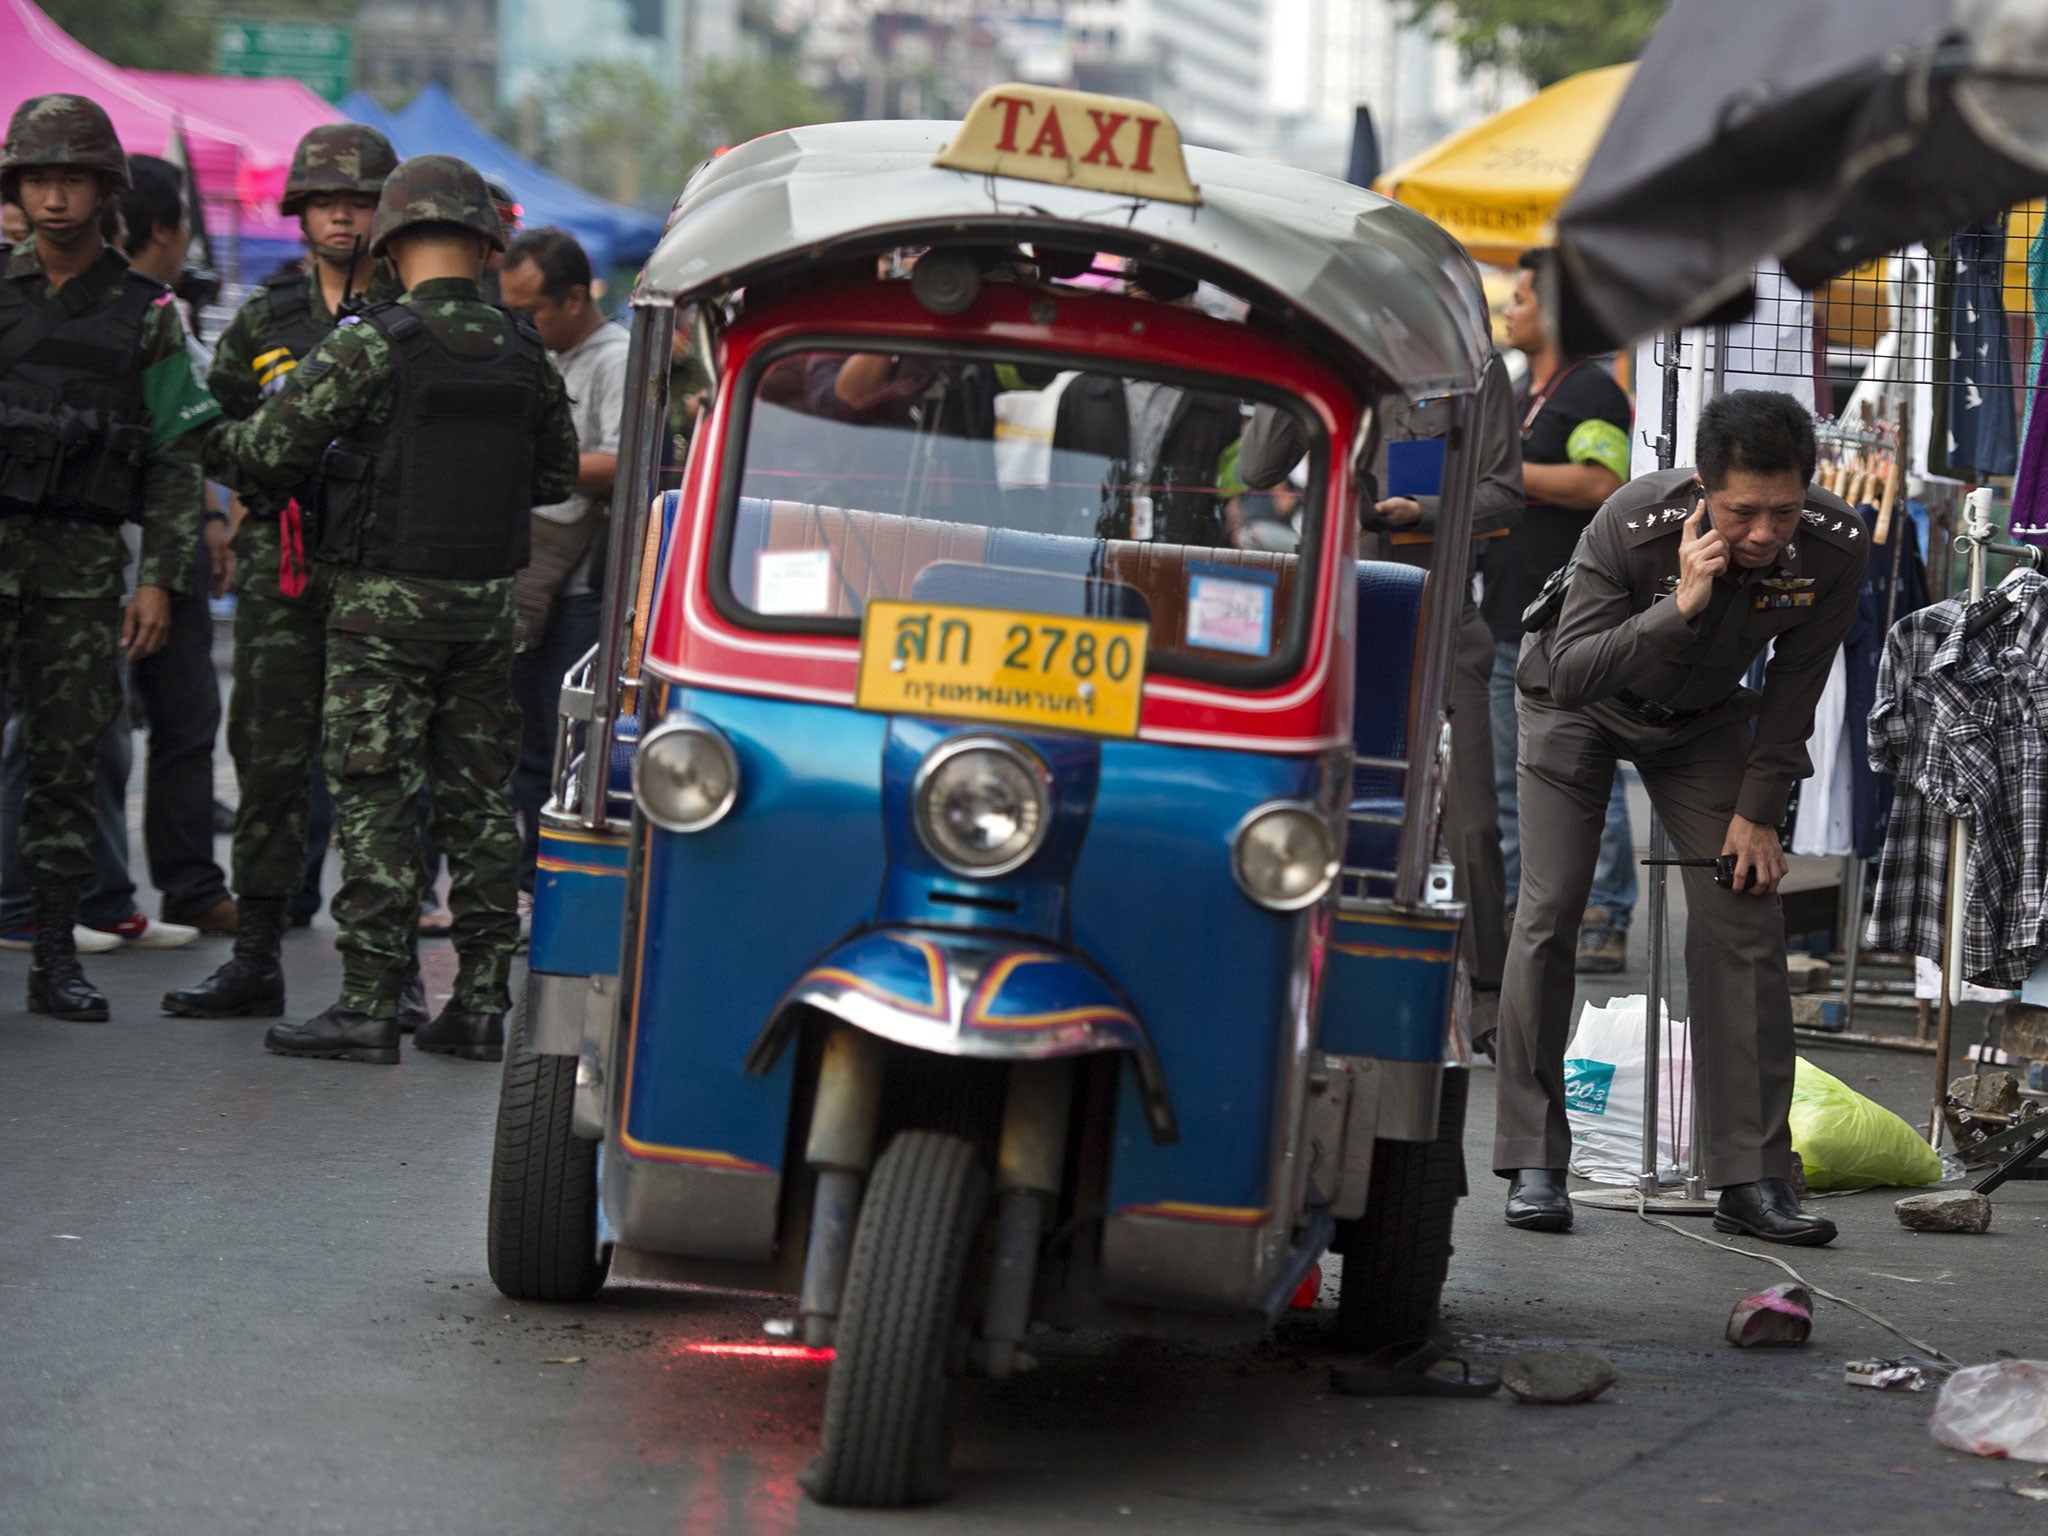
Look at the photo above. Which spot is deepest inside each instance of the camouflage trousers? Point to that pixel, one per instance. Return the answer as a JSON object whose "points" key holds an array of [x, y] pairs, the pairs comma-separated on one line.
{"points": [[274, 727], [68, 653], [402, 713]]}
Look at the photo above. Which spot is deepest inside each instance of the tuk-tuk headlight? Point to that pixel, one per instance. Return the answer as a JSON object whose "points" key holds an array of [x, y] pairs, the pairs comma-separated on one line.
{"points": [[685, 776], [982, 805], [1284, 856]]}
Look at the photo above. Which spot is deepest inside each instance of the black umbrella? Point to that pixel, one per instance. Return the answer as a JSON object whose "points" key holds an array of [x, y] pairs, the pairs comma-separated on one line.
{"points": [[1822, 132]]}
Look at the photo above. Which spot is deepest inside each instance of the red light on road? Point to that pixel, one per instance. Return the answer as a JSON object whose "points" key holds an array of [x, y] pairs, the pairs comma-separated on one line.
{"points": [[761, 1351]]}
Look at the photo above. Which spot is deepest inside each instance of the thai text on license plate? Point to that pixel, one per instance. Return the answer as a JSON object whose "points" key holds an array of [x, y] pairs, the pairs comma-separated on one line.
{"points": [[995, 664]]}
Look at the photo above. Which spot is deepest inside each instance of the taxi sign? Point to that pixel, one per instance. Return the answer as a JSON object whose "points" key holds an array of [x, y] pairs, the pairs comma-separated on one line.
{"points": [[994, 664], [1072, 139]]}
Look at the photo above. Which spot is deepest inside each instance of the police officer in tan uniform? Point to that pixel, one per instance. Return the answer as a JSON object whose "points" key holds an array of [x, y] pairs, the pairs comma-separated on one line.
{"points": [[1680, 582]]}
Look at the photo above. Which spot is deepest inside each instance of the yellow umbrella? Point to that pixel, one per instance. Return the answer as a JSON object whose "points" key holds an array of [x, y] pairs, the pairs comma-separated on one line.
{"points": [[1497, 185]]}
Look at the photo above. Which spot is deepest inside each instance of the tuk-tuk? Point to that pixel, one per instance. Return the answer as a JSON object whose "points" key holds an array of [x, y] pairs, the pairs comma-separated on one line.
{"points": [[992, 876]]}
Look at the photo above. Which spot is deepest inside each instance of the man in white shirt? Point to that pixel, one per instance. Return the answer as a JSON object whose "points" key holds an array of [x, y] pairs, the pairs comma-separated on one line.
{"points": [[547, 277]]}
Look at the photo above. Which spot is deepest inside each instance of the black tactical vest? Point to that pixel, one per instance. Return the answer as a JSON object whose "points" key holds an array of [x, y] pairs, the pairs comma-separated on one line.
{"points": [[291, 327], [444, 489], [74, 433]]}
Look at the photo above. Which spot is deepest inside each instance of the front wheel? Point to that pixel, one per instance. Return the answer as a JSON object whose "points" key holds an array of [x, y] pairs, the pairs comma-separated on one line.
{"points": [[888, 1433], [543, 1210], [1397, 1254]]}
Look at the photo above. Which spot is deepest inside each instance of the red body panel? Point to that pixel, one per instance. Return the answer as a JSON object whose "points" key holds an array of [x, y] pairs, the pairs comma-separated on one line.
{"points": [[691, 642]]}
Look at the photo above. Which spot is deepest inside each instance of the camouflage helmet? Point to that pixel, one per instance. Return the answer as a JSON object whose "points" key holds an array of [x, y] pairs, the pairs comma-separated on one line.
{"points": [[338, 157], [435, 189], [61, 130]]}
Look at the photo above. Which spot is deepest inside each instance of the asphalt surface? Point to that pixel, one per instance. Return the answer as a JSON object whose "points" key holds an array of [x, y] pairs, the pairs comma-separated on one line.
{"points": [[240, 1293]]}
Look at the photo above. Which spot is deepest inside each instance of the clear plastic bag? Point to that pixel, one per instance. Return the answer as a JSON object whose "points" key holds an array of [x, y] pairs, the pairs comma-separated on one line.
{"points": [[2000, 1409]]}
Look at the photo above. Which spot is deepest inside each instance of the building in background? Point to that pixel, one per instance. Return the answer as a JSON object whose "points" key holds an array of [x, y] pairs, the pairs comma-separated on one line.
{"points": [[401, 45], [541, 38]]}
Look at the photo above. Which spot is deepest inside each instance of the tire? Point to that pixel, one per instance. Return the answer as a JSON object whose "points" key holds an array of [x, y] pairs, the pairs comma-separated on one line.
{"points": [[1397, 1254], [543, 1211], [888, 1432]]}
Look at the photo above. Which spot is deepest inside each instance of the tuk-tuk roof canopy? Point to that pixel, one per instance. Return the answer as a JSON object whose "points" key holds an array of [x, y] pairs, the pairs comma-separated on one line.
{"points": [[1380, 279]]}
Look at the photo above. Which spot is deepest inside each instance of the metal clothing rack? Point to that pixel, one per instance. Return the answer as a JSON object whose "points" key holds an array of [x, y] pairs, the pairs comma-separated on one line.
{"points": [[1976, 542]]}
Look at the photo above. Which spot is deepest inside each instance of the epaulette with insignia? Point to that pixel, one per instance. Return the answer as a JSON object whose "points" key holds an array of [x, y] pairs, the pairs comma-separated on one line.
{"points": [[1839, 524], [1654, 521]]}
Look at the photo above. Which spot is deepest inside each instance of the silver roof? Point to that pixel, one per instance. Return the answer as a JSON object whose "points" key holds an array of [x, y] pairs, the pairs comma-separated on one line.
{"points": [[1380, 279]]}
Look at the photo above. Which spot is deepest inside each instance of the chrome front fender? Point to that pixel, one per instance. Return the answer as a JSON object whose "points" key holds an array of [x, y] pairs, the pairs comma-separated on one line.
{"points": [[975, 995]]}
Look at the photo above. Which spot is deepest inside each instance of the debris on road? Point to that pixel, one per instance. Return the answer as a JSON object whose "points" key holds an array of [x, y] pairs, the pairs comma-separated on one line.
{"points": [[2000, 1409], [1947, 1210], [1782, 1315], [1576, 1375], [1886, 1375], [1995, 1093], [561, 1360]]}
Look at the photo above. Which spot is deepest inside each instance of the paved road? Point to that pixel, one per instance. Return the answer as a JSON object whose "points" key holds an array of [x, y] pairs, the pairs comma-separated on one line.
{"points": [[245, 1294]]}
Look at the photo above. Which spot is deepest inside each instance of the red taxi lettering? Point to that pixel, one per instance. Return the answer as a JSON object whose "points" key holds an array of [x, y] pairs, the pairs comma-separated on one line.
{"points": [[1106, 125], [1012, 106], [1142, 161], [1050, 140]]}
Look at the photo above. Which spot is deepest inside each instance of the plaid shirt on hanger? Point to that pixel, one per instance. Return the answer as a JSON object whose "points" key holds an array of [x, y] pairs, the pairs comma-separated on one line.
{"points": [[1964, 726]]}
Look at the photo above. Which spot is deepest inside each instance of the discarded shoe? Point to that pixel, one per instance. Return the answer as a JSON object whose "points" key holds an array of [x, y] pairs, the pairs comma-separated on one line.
{"points": [[1781, 1315], [1415, 1368]]}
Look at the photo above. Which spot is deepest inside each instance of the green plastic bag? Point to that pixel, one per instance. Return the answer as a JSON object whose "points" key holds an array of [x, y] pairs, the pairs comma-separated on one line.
{"points": [[1848, 1142]]}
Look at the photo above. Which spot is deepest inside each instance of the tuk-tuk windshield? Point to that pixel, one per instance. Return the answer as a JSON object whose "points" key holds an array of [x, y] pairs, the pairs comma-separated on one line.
{"points": [[1044, 490]]}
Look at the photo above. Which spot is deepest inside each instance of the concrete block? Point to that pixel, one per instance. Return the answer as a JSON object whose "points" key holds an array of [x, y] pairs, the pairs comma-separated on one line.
{"points": [[1807, 973], [1993, 1092], [1947, 1210]]}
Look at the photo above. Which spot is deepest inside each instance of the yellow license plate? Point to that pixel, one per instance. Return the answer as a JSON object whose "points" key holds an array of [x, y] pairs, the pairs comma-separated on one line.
{"points": [[992, 664]]}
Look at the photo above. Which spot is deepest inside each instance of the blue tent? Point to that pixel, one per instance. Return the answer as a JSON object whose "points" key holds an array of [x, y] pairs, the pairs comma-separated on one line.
{"points": [[362, 107], [434, 125]]}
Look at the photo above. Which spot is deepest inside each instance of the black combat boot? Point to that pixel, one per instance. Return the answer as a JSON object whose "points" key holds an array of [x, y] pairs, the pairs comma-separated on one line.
{"points": [[412, 1002], [56, 985], [251, 984], [471, 1036], [339, 1034]]}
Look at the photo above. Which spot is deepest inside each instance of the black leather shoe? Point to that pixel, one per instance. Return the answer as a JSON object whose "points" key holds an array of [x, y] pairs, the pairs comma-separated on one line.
{"points": [[1769, 1210], [412, 1002], [251, 984], [339, 1034], [56, 985], [471, 1036], [1537, 1201]]}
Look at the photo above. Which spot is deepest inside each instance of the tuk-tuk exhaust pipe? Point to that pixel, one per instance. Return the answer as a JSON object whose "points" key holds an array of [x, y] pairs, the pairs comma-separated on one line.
{"points": [[1034, 1148], [841, 1147]]}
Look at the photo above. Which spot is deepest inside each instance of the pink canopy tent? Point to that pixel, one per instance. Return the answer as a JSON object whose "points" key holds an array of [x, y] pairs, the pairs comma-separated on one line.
{"points": [[38, 58], [271, 115]]}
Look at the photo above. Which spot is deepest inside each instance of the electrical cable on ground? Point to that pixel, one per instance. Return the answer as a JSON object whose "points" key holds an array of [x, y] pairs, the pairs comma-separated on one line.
{"points": [[1841, 1301]]}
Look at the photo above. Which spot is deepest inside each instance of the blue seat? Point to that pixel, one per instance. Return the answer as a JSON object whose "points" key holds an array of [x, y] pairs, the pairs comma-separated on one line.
{"points": [[1389, 615]]}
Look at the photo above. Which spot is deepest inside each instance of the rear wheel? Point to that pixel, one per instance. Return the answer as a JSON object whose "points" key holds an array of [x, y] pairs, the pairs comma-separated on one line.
{"points": [[1397, 1254], [543, 1211], [888, 1433]]}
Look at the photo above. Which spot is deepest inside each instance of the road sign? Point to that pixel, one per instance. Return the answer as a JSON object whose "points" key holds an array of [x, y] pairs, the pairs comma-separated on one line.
{"points": [[321, 55]]}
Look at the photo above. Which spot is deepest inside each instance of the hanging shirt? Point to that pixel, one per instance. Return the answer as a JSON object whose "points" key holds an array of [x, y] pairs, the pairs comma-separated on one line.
{"points": [[1963, 721]]}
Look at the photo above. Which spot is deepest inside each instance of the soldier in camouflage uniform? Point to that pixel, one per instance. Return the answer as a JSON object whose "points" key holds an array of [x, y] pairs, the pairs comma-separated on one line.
{"points": [[281, 589], [98, 401], [435, 424]]}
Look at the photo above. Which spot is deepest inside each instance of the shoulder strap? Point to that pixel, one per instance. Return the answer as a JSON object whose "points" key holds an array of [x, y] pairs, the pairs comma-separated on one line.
{"points": [[287, 295], [67, 303]]}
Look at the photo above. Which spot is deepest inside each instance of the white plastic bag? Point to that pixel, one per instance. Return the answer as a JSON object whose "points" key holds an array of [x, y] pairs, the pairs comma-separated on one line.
{"points": [[1603, 1093], [2000, 1409]]}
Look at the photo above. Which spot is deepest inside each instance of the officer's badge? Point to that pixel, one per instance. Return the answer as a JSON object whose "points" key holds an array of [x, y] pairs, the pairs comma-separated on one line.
{"points": [[1767, 600], [1788, 583]]}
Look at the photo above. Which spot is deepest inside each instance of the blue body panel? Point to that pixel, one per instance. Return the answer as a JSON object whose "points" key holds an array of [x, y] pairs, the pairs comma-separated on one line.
{"points": [[735, 913], [1156, 907], [579, 893], [1387, 984]]}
